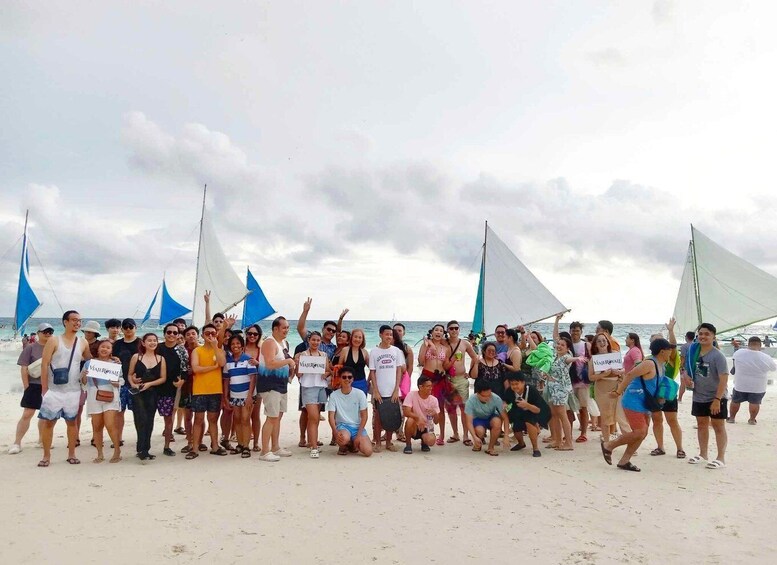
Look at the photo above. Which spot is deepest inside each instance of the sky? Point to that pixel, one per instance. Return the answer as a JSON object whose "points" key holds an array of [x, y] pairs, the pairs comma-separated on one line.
{"points": [[354, 150]]}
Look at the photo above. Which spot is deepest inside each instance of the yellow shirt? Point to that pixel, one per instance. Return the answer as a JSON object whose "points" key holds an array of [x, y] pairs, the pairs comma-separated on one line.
{"points": [[209, 382]]}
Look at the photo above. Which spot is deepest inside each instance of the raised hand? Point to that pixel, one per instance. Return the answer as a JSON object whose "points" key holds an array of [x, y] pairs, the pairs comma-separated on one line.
{"points": [[306, 306], [207, 297]]}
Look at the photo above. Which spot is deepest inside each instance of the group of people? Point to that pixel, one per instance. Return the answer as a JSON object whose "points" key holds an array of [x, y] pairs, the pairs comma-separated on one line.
{"points": [[212, 381]]}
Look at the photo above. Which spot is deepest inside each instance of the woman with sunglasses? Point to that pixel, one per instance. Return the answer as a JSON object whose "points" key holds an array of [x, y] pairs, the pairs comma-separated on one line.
{"points": [[252, 350], [177, 364], [146, 372]]}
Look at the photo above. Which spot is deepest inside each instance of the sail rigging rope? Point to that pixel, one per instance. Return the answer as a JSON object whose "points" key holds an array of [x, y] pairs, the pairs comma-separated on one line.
{"points": [[51, 287]]}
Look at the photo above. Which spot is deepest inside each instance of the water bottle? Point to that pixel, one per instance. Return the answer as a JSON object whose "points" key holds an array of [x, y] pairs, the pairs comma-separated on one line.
{"points": [[429, 423]]}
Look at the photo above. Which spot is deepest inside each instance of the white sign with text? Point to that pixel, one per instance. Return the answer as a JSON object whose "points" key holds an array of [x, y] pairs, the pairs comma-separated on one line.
{"points": [[607, 361], [104, 370], [312, 365]]}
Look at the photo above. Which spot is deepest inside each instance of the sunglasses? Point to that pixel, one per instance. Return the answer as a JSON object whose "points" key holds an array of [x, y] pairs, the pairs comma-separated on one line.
{"points": [[171, 333], [500, 333], [48, 332], [254, 334], [452, 328], [330, 329], [128, 327], [208, 334], [346, 377]]}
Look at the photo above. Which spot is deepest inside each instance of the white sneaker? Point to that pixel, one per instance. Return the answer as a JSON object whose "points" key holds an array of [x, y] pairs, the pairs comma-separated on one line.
{"points": [[39, 445], [282, 452], [14, 449], [271, 457], [314, 453]]}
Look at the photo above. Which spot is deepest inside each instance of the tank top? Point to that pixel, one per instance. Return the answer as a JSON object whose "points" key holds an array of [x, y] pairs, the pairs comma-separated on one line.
{"points": [[61, 358], [357, 365], [634, 396], [273, 379], [148, 375]]}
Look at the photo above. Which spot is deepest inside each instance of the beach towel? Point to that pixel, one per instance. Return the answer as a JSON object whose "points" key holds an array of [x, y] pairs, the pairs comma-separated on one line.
{"points": [[541, 358], [692, 358]]}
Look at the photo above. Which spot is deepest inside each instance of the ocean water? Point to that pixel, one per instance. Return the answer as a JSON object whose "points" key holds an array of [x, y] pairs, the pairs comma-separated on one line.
{"points": [[415, 331]]}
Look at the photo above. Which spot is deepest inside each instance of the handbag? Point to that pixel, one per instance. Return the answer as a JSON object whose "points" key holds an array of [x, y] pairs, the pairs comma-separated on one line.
{"points": [[62, 375], [104, 395]]}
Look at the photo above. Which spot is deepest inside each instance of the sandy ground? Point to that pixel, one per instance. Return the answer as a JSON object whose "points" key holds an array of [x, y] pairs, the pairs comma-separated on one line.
{"points": [[449, 506]]}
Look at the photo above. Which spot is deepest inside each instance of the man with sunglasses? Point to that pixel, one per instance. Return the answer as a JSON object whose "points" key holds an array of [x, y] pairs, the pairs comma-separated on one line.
{"points": [[31, 398], [347, 408], [124, 349], [500, 333], [207, 392], [177, 369], [455, 366]]}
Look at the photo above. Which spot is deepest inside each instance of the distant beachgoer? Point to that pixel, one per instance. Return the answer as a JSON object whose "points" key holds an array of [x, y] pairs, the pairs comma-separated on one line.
{"points": [[272, 384], [113, 327], [669, 408], [459, 377], [500, 333], [347, 408], [642, 380], [207, 393], [147, 371], [385, 364], [433, 354], [526, 410], [604, 383], [239, 388], [606, 327], [751, 368], [767, 342], [689, 339], [191, 336], [60, 376], [253, 350], [634, 354], [485, 412], [124, 349], [25, 341], [313, 389], [29, 367], [710, 395], [102, 403], [177, 366], [32, 338], [422, 412]]}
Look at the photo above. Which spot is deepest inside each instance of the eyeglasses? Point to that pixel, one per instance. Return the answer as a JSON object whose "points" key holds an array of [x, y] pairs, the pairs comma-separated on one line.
{"points": [[453, 328], [171, 333], [252, 334]]}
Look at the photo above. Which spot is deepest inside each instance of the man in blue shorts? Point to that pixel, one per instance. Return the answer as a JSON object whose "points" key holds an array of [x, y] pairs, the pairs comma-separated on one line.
{"points": [[347, 408], [485, 412]]}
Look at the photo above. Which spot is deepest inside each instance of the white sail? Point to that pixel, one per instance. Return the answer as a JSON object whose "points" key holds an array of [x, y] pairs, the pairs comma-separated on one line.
{"points": [[214, 273], [732, 292], [685, 311], [511, 293]]}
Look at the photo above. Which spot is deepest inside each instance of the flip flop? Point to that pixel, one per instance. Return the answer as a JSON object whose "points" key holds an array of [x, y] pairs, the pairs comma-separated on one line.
{"points": [[439, 442], [492, 453], [192, 455], [257, 449], [245, 454], [607, 454], [391, 447], [453, 440], [73, 461], [220, 452], [342, 451], [518, 447], [696, 459], [581, 439], [44, 463], [536, 453], [202, 447], [467, 442], [680, 454], [474, 448], [302, 444], [629, 467], [715, 464], [658, 451]]}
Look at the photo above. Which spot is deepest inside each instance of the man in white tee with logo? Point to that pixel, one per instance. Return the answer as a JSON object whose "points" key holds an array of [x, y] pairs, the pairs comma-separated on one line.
{"points": [[751, 369], [386, 362]]}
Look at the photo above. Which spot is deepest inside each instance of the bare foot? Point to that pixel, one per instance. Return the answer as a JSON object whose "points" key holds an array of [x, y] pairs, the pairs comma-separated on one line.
{"points": [[115, 459], [98, 459]]}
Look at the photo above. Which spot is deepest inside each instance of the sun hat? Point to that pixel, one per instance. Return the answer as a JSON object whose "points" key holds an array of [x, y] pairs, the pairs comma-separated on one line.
{"points": [[91, 326]]}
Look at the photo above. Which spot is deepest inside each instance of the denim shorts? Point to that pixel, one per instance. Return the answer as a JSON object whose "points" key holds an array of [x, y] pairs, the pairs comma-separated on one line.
{"points": [[313, 395]]}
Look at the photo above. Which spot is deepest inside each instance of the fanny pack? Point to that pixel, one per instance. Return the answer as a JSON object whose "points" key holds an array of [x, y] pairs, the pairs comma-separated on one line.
{"points": [[62, 375]]}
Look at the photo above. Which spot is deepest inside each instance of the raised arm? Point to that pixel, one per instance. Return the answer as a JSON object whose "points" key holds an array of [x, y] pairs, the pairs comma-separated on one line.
{"points": [[303, 318], [340, 321], [555, 326], [206, 297]]}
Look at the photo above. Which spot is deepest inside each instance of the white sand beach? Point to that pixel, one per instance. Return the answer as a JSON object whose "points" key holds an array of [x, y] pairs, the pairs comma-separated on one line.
{"points": [[451, 505]]}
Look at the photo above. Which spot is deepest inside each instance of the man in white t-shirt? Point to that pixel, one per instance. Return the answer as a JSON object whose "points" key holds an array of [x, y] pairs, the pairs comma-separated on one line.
{"points": [[386, 363], [750, 370]]}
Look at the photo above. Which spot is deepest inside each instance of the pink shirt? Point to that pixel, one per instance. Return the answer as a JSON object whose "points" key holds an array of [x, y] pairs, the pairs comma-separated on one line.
{"points": [[631, 358], [421, 406]]}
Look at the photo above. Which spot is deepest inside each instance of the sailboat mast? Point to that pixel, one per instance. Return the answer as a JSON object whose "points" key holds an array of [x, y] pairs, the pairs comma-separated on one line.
{"points": [[245, 302], [199, 248], [483, 271], [21, 268], [695, 280]]}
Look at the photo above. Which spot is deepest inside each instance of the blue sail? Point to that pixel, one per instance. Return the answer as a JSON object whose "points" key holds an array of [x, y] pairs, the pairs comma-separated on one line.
{"points": [[170, 309], [477, 318], [256, 307], [26, 300], [150, 306]]}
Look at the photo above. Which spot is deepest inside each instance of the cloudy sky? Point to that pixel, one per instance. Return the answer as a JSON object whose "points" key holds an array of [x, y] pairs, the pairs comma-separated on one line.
{"points": [[353, 150]]}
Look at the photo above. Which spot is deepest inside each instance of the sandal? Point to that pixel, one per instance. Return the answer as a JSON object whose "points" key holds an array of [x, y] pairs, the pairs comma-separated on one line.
{"points": [[658, 451], [629, 467], [186, 449], [332, 443], [475, 448], [257, 449], [453, 439], [220, 452], [302, 444], [607, 454], [492, 452], [439, 442], [715, 464], [342, 451], [73, 461], [44, 463], [518, 447], [245, 454], [202, 447], [192, 455], [581, 439], [680, 454], [467, 442], [180, 431], [696, 459]]}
